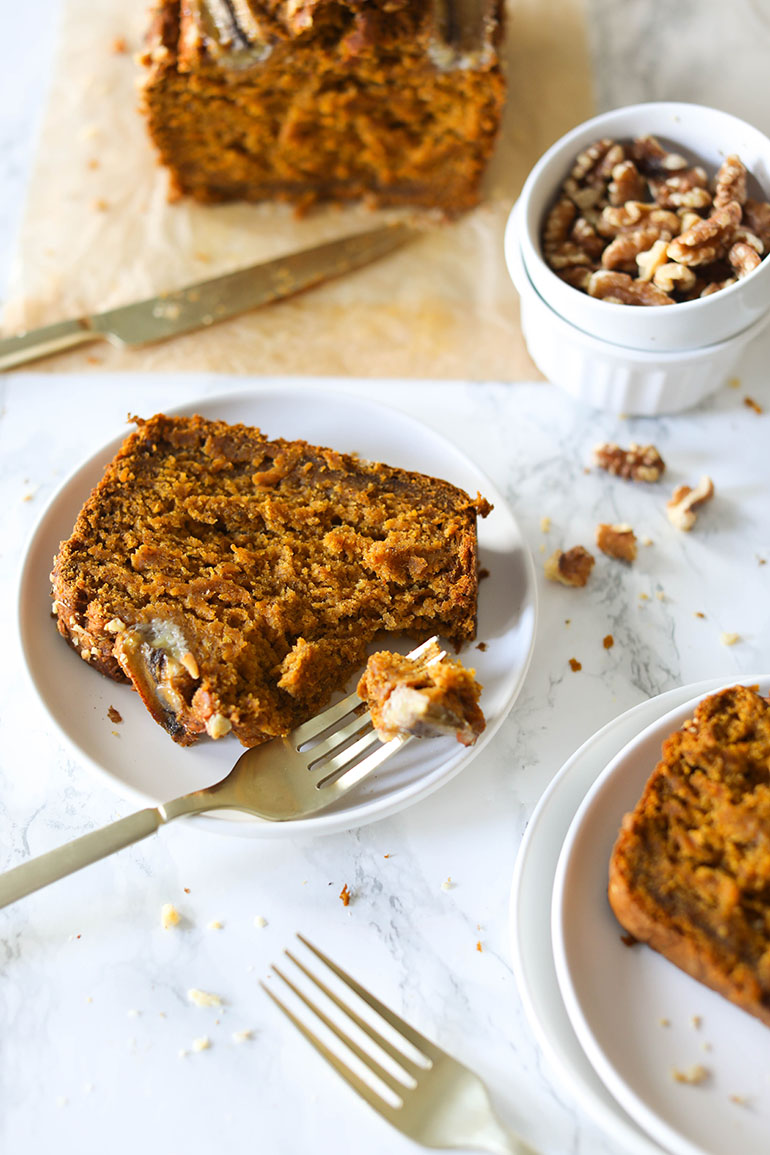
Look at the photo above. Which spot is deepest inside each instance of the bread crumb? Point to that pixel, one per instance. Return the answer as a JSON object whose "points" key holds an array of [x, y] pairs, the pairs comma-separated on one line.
{"points": [[447, 884], [182, 1053], [695, 1022], [699, 614], [215, 924], [734, 382], [694, 1076], [740, 1100], [89, 998], [664, 1022], [545, 524], [345, 895], [114, 715], [133, 1013], [201, 1044], [750, 403], [259, 921], [242, 1036], [575, 665], [169, 915], [608, 641], [479, 946], [203, 998], [119, 46], [729, 639]]}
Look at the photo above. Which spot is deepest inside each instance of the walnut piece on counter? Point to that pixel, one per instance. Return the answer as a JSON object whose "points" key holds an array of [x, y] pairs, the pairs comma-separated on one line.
{"points": [[637, 463], [618, 541], [571, 568], [685, 501]]}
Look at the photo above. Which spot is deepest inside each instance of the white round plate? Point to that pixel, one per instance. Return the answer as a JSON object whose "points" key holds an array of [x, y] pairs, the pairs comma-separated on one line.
{"points": [[138, 757], [640, 1020], [530, 926]]}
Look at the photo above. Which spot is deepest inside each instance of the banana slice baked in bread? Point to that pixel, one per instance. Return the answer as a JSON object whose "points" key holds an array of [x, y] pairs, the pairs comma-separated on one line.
{"points": [[237, 581], [425, 696], [690, 871]]}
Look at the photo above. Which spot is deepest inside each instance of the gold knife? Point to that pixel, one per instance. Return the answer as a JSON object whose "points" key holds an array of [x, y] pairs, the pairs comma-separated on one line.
{"points": [[206, 302]]}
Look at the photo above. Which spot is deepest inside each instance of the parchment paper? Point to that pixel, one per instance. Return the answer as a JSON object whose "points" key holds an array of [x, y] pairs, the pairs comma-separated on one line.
{"points": [[98, 230]]}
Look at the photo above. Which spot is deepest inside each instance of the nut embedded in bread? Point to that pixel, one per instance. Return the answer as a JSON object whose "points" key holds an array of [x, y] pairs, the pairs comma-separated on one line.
{"points": [[690, 871], [236, 581]]}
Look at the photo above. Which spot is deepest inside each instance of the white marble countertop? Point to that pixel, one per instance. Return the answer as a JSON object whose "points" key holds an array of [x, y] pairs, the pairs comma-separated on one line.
{"points": [[93, 999]]}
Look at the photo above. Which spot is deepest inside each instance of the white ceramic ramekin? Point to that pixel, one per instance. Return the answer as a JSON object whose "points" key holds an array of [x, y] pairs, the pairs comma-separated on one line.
{"points": [[704, 135], [634, 382]]}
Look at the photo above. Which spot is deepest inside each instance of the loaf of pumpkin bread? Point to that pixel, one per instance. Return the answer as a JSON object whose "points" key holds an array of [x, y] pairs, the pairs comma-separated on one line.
{"points": [[394, 102]]}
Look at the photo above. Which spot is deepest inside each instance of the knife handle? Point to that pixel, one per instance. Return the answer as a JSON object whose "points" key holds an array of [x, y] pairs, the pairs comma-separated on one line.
{"points": [[43, 342]]}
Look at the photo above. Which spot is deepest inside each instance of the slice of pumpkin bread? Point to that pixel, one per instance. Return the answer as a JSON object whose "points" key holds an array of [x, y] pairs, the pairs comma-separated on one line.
{"points": [[238, 580], [690, 871]]}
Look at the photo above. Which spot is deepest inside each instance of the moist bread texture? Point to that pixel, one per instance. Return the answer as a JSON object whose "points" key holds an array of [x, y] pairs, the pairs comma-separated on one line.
{"points": [[424, 696], [690, 871], [396, 102], [238, 580]]}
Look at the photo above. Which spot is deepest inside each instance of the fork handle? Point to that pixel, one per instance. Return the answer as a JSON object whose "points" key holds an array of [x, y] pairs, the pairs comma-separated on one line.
{"points": [[38, 872]]}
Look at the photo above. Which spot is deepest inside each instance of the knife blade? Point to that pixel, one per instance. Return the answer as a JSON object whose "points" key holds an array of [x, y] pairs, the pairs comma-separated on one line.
{"points": [[206, 302]]}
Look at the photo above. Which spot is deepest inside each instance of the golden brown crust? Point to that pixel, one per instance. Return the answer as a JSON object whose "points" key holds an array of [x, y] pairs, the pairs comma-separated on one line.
{"points": [[690, 870], [236, 581], [325, 100]]}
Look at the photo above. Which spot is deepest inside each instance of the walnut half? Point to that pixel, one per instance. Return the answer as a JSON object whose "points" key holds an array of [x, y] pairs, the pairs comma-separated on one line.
{"points": [[684, 502], [637, 463], [571, 568], [618, 541]]}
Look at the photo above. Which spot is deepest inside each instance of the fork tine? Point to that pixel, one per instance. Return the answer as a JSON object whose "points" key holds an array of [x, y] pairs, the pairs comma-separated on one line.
{"points": [[418, 1041], [329, 745], [355, 1081], [328, 717], [397, 1086], [413, 1069], [348, 778]]}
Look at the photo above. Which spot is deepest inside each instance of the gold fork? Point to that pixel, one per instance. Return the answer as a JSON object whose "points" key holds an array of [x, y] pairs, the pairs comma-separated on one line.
{"points": [[287, 778], [434, 1099]]}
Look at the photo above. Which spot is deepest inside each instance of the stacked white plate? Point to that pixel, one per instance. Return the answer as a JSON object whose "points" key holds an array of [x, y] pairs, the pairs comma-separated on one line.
{"points": [[658, 1059]]}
